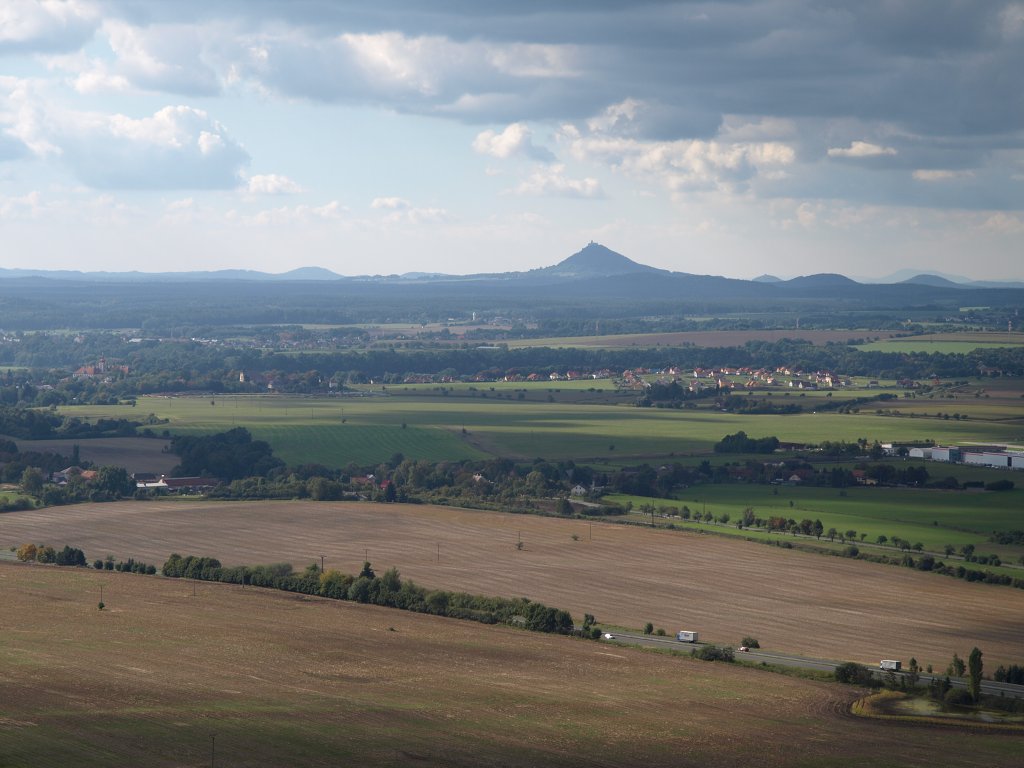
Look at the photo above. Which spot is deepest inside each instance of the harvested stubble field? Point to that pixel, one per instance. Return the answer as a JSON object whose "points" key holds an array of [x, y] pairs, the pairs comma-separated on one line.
{"points": [[253, 677], [816, 605]]}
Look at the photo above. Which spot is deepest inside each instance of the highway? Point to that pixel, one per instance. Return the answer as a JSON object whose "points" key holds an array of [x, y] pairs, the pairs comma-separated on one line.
{"points": [[758, 655]]}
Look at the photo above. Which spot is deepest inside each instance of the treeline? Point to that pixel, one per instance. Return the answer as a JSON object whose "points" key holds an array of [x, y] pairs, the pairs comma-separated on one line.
{"points": [[1011, 674], [227, 455], [30, 424], [42, 553], [388, 589]]}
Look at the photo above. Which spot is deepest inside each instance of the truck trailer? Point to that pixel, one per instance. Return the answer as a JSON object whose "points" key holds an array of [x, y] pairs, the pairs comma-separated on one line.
{"points": [[686, 637], [890, 665]]}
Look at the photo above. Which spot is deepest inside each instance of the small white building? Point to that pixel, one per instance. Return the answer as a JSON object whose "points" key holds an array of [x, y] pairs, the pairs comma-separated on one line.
{"points": [[920, 453]]}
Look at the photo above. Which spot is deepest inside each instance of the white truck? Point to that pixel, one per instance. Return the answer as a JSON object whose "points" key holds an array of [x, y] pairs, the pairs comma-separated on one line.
{"points": [[686, 637], [890, 665]]}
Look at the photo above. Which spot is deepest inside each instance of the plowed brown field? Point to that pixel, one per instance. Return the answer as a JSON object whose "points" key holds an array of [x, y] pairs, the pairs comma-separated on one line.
{"points": [[821, 606], [234, 676]]}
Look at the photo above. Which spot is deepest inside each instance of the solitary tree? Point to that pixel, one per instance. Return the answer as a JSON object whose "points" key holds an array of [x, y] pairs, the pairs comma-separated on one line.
{"points": [[832, 534], [974, 667], [32, 481]]}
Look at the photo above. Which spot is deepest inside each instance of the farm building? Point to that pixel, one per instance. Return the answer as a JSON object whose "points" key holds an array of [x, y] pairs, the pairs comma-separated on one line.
{"points": [[946, 453], [920, 453], [986, 458]]}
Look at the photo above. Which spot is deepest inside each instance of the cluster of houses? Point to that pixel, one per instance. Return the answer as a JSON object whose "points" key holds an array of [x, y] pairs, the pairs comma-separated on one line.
{"points": [[639, 378], [101, 370], [997, 456]]}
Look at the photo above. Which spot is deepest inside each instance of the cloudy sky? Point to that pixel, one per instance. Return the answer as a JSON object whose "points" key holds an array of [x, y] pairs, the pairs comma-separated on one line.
{"points": [[388, 136]]}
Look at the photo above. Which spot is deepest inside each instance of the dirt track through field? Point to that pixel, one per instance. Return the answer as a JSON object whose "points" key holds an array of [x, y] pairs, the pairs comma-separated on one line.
{"points": [[821, 606]]}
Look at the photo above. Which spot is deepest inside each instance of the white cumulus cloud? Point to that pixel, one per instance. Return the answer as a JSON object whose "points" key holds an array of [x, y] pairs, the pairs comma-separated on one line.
{"points": [[515, 140], [552, 181], [390, 203], [176, 148], [272, 184], [45, 25], [861, 149]]}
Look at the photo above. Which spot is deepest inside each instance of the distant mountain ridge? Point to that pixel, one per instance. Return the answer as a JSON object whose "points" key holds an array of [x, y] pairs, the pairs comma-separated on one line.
{"points": [[301, 273], [594, 268]]}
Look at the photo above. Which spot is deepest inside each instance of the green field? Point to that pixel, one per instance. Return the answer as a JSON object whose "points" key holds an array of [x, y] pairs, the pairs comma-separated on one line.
{"points": [[946, 343], [334, 431], [934, 518]]}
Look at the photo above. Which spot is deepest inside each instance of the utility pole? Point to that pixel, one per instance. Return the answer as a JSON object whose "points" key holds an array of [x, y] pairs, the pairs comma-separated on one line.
{"points": [[213, 751], [321, 563], [439, 552]]}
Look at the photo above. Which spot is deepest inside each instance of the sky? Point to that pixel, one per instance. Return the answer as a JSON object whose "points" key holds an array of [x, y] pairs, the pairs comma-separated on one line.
{"points": [[736, 138]]}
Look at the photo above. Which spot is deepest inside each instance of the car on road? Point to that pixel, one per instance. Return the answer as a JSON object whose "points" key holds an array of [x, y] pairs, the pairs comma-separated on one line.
{"points": [[743, 648], [608, 636]]}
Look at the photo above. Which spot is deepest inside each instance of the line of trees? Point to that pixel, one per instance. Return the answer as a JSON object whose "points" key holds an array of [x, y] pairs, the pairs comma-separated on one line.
{"points": [[42, 553], [388, 589]]}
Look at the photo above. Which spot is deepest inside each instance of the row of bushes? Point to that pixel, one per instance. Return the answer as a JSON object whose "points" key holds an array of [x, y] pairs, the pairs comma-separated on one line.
{"points": [[131, 565], [389, 590], [928, 563], [42, 553]]}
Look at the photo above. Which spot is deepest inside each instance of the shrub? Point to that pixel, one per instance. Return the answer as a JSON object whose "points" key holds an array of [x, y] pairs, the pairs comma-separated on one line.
{"points": [[648, 628], [750, 642], [999, 485], [713, 653], [958, 697], [853, 673], [26, 553]]}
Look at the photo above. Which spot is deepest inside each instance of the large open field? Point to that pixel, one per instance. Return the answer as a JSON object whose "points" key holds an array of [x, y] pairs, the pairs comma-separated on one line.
{"points": [[723, 338], [948, 343], [813, 604], [252, 677], [335, 431]]}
